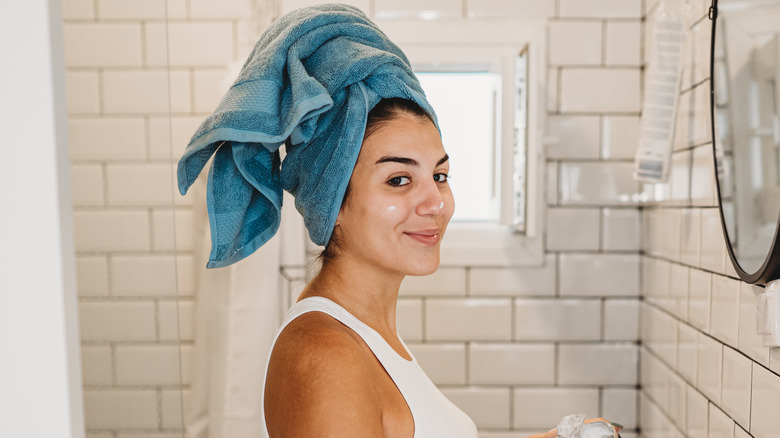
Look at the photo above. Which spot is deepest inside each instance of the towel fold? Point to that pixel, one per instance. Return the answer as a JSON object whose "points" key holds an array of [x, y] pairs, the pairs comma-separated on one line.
{"points": [[309, 84]]}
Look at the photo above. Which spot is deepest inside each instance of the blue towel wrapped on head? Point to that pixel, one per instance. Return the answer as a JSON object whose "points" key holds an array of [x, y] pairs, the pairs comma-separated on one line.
{"points": [[309, 84]]}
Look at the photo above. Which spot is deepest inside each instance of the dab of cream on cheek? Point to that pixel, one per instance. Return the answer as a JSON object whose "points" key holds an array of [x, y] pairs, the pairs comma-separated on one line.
{"points": [[389, 210]]}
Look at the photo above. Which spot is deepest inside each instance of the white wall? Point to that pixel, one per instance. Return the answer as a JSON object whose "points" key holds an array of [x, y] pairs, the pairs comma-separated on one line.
{"points": [[486, 335], [39, 370], [705, 372], [517, 348]]}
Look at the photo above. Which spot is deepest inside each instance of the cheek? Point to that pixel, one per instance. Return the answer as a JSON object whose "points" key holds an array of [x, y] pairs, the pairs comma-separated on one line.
{"points": [[392, 212], [389, 210]]}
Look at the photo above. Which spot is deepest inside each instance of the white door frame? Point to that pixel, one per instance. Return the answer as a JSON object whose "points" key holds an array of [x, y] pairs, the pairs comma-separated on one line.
{"points": [[40, 370]]}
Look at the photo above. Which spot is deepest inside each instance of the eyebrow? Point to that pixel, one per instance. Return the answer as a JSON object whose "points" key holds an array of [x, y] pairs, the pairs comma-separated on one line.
{"points": [[409, 161]]}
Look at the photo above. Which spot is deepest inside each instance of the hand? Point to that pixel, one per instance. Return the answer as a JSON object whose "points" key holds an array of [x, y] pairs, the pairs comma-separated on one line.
{"points": [[553, 433], [617, 427]]}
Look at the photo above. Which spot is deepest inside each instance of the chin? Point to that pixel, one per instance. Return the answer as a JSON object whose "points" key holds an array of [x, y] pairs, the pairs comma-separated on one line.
{"points": [[423, 268]]}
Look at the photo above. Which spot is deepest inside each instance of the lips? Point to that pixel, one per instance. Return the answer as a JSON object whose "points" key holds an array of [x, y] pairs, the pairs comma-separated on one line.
{"points": [[426, 237]]}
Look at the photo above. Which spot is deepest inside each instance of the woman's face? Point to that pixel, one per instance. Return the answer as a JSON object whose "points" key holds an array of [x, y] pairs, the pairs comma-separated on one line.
{"points": [[399, 202]]}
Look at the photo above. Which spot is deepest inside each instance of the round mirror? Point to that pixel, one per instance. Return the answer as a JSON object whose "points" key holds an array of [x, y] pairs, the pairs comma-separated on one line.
{"points": [[745, 87]]}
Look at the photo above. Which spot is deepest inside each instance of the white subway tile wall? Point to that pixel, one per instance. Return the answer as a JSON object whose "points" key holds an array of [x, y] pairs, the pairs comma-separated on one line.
{"points": [[510, 8], [619, 134], [140, 78], [516, 347], [573, 136], [600, 9], [600, 90], [587, 51], [622, 39], [421, 9], [722, 381]]}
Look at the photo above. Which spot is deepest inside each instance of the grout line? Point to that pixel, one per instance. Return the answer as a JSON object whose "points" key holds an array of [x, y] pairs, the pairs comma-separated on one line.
{"points": [[467, 278], [512, 390], [104, 175], [602, 326], [144, 45], [513, 320], [602, 229], [558, 91], [604, 43], [156, 320], [150, 224], [600, 402], [467, 363], [159, 408], [557, 275], [112, 352]]}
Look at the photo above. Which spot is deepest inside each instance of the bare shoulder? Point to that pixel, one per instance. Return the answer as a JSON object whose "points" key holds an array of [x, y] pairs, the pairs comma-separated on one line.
{"points": [[314, 333], [320, 382]]}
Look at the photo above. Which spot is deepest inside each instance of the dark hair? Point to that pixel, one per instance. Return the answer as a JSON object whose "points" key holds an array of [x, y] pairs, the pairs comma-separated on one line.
{"points": [[383, 112], [389, 109]]}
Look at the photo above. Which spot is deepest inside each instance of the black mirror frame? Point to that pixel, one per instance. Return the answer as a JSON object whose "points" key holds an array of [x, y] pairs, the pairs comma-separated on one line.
{"points": [[770, 268]]}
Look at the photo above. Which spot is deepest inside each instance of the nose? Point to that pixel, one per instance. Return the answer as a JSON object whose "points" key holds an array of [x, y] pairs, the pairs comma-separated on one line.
{"points": [[432, 201]]}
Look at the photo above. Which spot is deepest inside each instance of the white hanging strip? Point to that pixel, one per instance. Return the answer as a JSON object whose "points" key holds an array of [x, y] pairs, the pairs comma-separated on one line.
{"points": [[662, 91]]}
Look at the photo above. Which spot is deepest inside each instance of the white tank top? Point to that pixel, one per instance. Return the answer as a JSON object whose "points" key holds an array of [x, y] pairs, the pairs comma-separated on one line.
{"points": [[434, 415]]}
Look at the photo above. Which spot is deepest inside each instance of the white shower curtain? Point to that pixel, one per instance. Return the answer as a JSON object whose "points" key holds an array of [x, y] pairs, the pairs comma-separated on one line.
{"points": [[236, 318], [238, 307]]}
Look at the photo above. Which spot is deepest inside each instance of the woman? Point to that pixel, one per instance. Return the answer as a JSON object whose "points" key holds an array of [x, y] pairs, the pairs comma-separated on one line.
{"points": [[338, 367], [366, 165], [324, 378]]}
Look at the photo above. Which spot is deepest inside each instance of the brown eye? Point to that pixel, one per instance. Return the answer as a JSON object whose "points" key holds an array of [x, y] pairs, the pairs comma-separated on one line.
{"points": [[399, 181]]}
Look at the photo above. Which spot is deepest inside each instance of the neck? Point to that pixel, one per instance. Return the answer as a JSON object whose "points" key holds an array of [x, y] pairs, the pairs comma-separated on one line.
{"points": [[369, 294]]}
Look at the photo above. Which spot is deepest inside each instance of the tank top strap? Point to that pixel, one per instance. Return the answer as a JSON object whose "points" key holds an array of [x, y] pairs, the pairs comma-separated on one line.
{"points": [[382, 350]]}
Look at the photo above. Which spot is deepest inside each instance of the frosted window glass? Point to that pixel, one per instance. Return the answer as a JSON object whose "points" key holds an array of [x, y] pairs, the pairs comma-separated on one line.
{"points": [[465, 104]]}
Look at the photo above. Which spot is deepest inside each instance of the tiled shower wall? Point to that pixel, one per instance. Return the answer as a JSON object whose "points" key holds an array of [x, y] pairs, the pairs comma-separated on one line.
{"points": [[705, 372], [128, 122], [517, 348]]}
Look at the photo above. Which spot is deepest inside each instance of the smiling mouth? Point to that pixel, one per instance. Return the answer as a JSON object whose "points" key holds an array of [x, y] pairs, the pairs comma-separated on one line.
{"points": [[427, 238]]}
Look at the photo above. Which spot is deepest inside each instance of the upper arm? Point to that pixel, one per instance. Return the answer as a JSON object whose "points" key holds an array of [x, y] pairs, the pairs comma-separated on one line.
{"points": [[319, 383]]}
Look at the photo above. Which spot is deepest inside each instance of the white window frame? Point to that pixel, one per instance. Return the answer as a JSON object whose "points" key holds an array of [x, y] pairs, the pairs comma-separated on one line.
{"points": [[494, 43]]}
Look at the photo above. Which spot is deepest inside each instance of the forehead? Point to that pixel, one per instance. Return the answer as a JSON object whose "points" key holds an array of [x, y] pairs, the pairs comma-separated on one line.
{"points": [[402, 136]]}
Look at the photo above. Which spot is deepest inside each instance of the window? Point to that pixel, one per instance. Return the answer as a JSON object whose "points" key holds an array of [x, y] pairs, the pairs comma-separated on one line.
{"points": [[468, 124], [470, 121], [487, 76]]}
